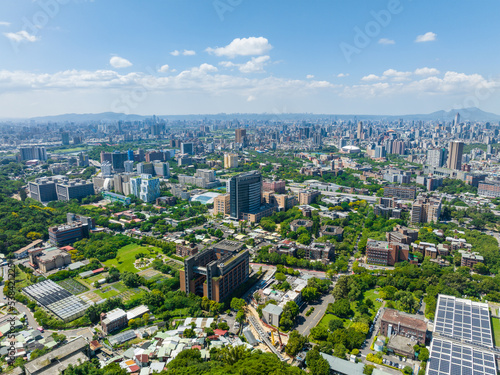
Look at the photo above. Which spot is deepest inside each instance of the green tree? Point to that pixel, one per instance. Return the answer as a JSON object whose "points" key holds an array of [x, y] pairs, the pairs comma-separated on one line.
{"points": [[237, 303]]}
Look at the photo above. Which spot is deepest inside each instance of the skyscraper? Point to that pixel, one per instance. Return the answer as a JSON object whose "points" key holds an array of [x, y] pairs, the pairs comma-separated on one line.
{"points": [[187, 148], [241, 136], [457, 119], [245, 193], [437, 157], [360, 130], [455, 155], [65, 138]]}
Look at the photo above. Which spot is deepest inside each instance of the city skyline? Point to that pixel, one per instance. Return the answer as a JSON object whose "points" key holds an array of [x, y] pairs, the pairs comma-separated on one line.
{"points": [[380, 58]]}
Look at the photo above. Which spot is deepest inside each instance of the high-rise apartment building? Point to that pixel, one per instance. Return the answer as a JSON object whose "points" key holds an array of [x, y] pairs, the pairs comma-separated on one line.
{"points": [[425, 210], [437, 157], [245, 193], [241, 136], [145, 187], [33, 152], [230, 161], [106, 169], [455, 153], [222, 205]]}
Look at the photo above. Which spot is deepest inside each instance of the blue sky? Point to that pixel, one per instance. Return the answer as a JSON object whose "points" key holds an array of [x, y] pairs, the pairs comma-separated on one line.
{"points": [[211, 56]]}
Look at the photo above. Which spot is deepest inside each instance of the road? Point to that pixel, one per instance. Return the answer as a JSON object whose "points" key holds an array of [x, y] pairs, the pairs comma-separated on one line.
{"points": [[306, 323]]}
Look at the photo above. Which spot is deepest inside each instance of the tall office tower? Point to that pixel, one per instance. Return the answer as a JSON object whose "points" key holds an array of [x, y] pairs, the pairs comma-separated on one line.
{"points": [[455, 155], [241, 136], [130, 155], [380, 152], [118, 159], [360, 130], [437, 157], [187, 148], [317, 139], [65, 138], [245, 193], [129, 166], [457, 119], [106, 168], [162, 169], [304, 133], [33, 152], [230, 161], [145, 168], [342, 142]]}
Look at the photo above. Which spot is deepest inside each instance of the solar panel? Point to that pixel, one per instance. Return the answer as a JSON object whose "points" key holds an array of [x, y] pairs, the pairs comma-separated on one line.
{"points": [[464, 320], [463, 360]]}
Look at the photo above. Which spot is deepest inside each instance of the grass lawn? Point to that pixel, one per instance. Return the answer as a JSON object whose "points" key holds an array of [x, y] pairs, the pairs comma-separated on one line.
{"points": [[106, 292], [74, 149], [127, 257], [119, 286], [495, 324], [326, 320]]}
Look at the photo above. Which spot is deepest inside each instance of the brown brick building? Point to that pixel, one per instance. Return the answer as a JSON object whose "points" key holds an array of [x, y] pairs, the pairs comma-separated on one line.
{"points": [[394, 322], [386, 253], [185, 249]]}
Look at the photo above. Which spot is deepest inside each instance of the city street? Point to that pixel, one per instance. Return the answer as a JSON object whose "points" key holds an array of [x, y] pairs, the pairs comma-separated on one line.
{"points": [[306, 323]]}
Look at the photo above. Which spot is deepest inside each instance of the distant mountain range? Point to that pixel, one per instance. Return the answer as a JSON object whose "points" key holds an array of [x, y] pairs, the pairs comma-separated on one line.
{"points": [[466, 114]]}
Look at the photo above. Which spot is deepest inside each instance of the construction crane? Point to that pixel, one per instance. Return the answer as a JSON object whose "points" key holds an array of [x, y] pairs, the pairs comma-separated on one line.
{"points": [[279, 337]]}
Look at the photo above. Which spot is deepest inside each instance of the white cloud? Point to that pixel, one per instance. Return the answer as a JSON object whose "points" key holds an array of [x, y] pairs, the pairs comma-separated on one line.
{"points": [[255, 65], [163, 68], [186, 52], [320, 84], [426, 71], [427, 37], [119, 62], [342, 75], [243, 47], [3, 23], [251, 98], [452, 84], [22, 36], [386, 41], [396, 75], [371, 77], [310, 76]]}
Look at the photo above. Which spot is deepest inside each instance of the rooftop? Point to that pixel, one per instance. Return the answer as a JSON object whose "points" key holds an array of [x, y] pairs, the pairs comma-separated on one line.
{"points": [[53, 358]]}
